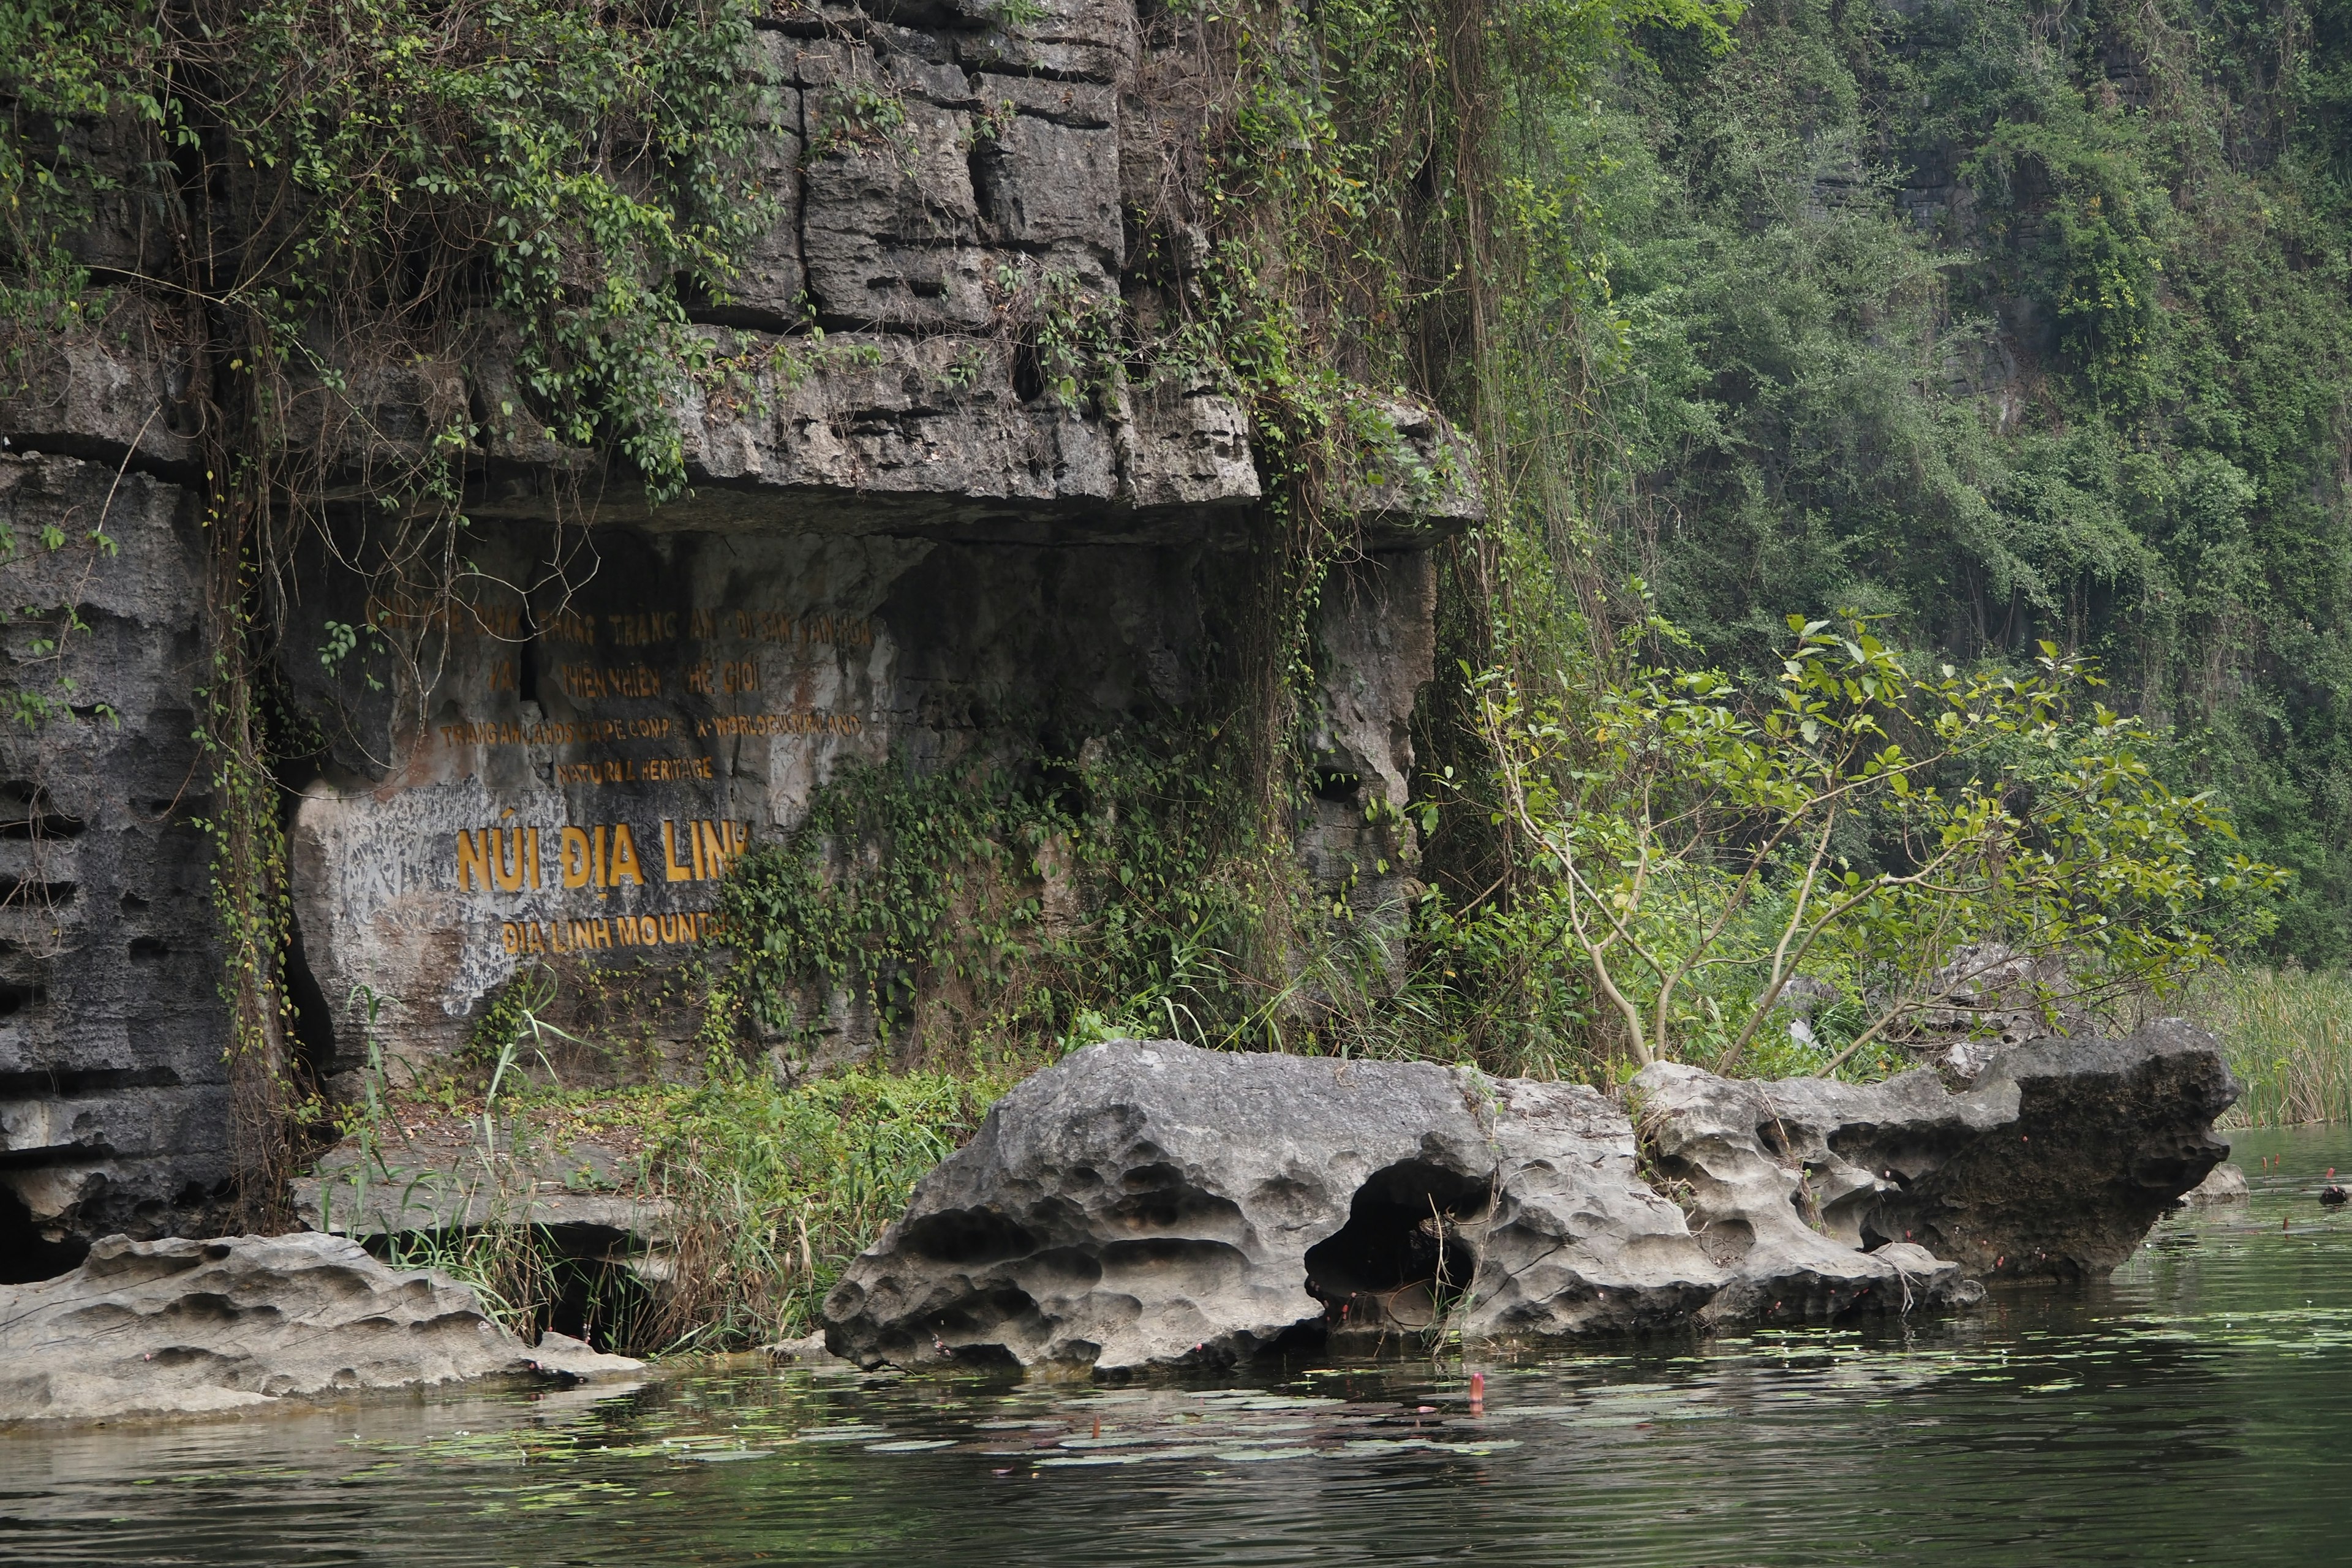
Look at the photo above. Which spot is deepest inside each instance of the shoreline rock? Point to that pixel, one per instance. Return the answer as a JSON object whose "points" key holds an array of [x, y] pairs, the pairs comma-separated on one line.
{"points": [[1153, 1204], [2225, 1184], [182, 1327], [2054, 1164]]}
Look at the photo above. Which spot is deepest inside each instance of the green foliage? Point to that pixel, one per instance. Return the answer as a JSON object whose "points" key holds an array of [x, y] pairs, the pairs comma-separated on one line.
{"points": [[860, 118], [255, 930], [2011, 322], [1701, 870], [1110, 892], [52, 626], [564, 168], [1072, 334], [777, 1189]]}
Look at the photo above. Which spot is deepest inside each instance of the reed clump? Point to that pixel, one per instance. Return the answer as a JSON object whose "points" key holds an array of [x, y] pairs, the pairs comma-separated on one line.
{"points": [[2288, 1036]]}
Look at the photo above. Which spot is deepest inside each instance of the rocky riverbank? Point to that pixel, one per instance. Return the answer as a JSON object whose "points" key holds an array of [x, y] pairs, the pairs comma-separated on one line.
{"points": [[182, 1327], [1150, 1204]]}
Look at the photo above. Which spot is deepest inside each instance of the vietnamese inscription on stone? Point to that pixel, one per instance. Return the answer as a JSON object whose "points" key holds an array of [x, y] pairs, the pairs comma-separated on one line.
{"points": [[590, 770]]}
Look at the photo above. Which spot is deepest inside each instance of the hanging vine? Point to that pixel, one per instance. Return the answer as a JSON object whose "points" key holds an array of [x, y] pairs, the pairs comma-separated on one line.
{"points": [[337, 217]]}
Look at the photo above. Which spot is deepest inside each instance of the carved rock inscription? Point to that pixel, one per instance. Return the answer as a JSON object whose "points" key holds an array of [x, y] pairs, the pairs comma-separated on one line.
{"points": [[569, 762]]}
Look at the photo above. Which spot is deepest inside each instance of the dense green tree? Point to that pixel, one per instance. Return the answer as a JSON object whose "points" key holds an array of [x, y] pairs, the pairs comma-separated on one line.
{"points": [[2008, 321]]}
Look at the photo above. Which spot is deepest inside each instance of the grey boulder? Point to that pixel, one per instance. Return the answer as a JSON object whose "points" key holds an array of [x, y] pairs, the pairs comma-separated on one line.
{"points": [[1152, 1203], [2052, 1164], [2227, 1184], [180, 1327]]}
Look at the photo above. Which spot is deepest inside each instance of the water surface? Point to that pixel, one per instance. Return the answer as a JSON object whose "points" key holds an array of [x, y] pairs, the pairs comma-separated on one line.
{"points": [[2196, 1408]]}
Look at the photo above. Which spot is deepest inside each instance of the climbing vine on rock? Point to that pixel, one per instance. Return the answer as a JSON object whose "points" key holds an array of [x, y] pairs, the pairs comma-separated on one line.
{"points": [[339, 218], [990, 910]]}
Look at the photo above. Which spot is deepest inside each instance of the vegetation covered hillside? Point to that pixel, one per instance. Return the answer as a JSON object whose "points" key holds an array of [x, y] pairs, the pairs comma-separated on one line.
{"points": [[2008, 321]]}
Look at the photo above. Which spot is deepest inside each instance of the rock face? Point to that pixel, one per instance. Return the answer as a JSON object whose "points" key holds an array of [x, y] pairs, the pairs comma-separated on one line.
{"points": [[898, 541], [113, 1097], [1152, 1203], [180, 1327], [2054, 1164]]}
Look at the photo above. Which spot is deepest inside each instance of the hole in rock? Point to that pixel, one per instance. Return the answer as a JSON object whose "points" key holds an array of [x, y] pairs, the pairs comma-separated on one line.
{"points": [[1339, 788], [1066, 787], [967, 1236], [595, 1295], [985, 165], [28, 1250], [579, 1279], [314, 1020], [17, 998], [1401, 1250], [26, 812], [1028, 372], [48, 896]]}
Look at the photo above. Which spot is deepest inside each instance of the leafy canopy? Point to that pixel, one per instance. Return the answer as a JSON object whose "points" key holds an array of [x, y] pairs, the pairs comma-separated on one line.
{"points": [[1892, 838]]}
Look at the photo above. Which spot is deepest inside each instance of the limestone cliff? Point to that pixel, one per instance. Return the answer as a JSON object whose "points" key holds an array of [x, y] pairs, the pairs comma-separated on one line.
{"points": [[900, 537]]}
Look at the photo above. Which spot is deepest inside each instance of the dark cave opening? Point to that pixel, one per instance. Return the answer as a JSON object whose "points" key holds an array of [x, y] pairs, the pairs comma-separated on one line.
{"points": [[1402, 1249], [26, 1253]]}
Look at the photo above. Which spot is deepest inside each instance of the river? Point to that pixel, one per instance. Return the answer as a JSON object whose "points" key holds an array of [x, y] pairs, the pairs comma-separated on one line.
{"points": [[2195, 1408]]}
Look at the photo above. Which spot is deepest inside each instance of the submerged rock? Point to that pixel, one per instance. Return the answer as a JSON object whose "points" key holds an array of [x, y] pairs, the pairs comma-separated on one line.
{"points": [[1151, 1204], [177, 1327], [2226, 1184]]}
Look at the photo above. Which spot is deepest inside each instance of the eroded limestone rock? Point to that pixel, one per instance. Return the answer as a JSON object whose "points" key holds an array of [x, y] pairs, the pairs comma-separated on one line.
{"points": [[114, 1099], [1150, 1203], [1770, 1200], [183, 1327]]}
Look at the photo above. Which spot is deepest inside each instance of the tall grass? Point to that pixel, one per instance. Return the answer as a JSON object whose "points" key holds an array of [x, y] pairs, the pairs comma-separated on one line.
{"points": [[774, 1190], [767, 1193], [2288, 1036]]}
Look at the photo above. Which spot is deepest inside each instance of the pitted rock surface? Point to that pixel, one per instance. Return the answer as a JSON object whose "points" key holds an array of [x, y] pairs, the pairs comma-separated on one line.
{"points": [[1150, 1202], [2054, 1164], [113, 1095], [185, 1327], [1153, 1204]]}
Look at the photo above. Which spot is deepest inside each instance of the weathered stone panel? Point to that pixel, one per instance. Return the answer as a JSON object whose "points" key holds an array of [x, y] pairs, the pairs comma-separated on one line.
{"points": [[594, 755]]}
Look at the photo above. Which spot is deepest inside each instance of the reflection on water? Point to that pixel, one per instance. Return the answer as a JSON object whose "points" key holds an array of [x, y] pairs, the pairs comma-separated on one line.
{"points": [[2198, 1408]]}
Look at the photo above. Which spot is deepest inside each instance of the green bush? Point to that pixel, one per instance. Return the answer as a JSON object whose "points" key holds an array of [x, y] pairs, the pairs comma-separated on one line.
{"points": [[1880, 836]]}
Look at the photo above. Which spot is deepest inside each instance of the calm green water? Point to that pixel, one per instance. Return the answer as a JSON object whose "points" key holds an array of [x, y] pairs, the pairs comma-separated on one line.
{"points": [[2195, 1409]]}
